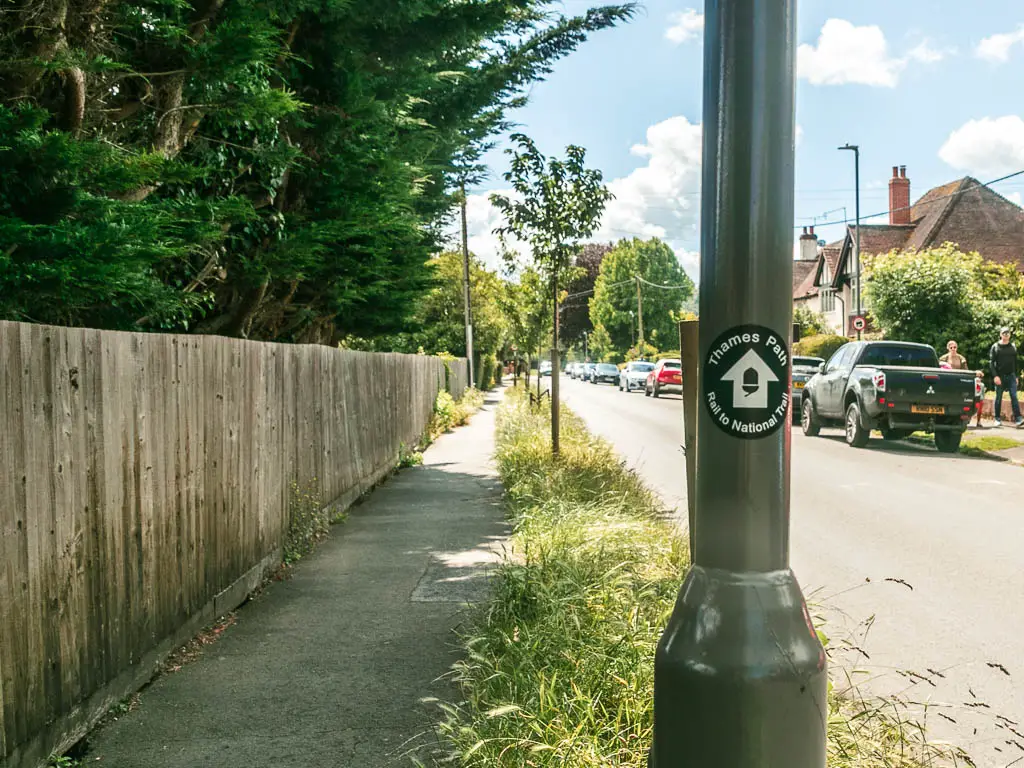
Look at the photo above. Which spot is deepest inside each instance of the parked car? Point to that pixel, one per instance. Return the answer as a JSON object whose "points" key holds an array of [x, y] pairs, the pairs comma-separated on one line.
{"points": [[634, 375], [604, 372], [895, 387], [545, 367], [803, 369], [667, 376]]}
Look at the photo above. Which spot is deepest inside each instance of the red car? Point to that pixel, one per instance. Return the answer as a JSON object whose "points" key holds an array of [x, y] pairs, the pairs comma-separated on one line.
{"points": [[667, 376]]}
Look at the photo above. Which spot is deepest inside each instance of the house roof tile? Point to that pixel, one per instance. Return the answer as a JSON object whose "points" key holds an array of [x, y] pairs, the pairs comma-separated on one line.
{"points": [[801, 269], [964, 212]]}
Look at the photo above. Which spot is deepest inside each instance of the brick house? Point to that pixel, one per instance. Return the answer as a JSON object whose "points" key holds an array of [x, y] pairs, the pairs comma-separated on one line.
{"points": [[964, 212]]}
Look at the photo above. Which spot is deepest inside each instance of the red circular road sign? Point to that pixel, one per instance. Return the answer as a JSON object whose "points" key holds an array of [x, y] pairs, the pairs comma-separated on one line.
{"points": [[859, 323]]}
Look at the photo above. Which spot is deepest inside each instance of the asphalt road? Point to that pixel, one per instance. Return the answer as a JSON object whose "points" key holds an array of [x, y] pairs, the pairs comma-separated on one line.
{"points": [[949, 528]]}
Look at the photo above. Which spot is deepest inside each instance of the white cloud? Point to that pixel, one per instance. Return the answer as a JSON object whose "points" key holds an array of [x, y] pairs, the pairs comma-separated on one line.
{"points": [[1015, 197], [849, 54], [482, 219], [989, 146], [659, 199], [686, 25], [997, 47], [799, 135], [925, 53]]}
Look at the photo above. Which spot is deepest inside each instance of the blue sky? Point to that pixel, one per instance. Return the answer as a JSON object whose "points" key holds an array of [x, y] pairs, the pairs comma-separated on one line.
{"points": [[935, 85]]}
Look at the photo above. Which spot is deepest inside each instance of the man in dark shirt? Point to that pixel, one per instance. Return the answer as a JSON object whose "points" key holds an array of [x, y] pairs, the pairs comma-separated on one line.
{"points": [[1003, 362]]}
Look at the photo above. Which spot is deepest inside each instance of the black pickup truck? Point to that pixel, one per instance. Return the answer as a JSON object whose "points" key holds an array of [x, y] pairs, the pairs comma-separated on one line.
{"points": [[892, 386]]}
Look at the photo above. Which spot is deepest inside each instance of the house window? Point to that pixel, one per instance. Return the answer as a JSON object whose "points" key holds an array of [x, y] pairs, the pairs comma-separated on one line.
{"points": [[828, 300]]}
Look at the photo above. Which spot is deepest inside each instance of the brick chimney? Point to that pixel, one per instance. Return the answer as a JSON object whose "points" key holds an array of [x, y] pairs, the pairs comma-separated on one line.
{"points": [[808, 245], [899, 196]]}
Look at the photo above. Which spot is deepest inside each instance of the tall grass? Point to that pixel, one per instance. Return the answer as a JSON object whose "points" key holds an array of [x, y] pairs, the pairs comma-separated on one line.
{"points": [[558, 668]]}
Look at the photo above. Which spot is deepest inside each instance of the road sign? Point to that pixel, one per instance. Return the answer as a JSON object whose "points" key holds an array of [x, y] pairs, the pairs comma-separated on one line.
{"points": [[746, 381], [859, 323]]}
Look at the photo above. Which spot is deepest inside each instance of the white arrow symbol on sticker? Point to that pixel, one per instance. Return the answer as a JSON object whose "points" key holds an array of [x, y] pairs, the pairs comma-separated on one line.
{"points": [[750, 377]]}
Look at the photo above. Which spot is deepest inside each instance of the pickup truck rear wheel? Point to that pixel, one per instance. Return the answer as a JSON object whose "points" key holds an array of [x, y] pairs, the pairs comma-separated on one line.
{"points": [[808, 420], [948, 442], [856, 435]]}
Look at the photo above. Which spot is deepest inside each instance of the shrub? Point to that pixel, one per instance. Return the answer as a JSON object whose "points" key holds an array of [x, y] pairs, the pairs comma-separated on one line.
{"points": [[823, 345], [308, 522], [449, 414], [444, 413], [939, 294], [811, 323]]}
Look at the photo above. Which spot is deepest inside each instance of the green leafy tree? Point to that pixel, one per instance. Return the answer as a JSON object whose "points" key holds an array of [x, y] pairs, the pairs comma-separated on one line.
{"points": [[527, 308], [440, 313], [575, 317], [600, 345], [615, 293], [275, 170], [939, 294], [811, 323], [557, 204]]}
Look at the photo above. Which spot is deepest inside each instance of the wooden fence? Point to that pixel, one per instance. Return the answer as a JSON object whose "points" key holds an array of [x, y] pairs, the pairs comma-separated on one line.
{"points": [[144, 489]]}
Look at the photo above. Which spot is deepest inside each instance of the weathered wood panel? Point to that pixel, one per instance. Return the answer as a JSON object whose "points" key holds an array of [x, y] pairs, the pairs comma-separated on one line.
{"points": [[458, 377], [142, 476]]}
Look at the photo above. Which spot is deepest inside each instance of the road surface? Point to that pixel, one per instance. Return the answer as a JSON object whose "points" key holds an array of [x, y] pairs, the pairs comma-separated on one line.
{"points": [[950, 528]]}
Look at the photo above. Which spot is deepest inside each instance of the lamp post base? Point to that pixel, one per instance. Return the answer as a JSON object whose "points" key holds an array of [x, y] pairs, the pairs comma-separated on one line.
{"points": [[740, 676]]}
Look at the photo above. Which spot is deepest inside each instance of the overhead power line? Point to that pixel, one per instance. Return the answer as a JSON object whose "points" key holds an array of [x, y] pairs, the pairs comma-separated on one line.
{"points": [[909, 207], [656, 285]]}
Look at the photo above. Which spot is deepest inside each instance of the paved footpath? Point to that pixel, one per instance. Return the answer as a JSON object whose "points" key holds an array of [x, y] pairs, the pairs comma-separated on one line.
{"points": [[330, 667]]}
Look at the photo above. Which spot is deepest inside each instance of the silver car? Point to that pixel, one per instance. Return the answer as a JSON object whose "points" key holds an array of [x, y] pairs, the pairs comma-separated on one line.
{"points": [[803, 369], [634, 375]]}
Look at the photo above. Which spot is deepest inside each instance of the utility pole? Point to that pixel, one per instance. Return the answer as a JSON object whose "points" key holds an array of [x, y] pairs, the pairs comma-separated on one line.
{"points": [[586, 356], [639, 314], [856, 242], [554, 363], [739, 675], [465, 288], [632, 329]]}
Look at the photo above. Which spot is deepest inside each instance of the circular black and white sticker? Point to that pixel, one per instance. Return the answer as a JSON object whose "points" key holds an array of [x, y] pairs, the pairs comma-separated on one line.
{"points": [[746, 381]]}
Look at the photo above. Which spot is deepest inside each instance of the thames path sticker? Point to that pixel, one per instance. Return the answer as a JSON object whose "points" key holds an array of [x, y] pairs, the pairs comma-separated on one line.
{"points": [[746, 381]]}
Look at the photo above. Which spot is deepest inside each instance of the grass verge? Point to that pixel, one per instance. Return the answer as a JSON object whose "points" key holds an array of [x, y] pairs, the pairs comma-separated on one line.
{"points": [[972, 444], [558, 668]]}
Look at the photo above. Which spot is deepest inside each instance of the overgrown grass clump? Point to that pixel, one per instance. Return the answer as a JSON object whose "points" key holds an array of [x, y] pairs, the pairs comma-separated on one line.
{"points": [[450, 413], [308, 522], [558, 668]]}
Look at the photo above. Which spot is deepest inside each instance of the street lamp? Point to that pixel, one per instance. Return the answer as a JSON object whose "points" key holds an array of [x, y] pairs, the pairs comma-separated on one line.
{"points": [[740, 677], [856, 245]]}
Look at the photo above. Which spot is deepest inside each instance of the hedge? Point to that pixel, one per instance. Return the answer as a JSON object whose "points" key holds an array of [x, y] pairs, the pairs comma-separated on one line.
{"points": [[822, 345]]}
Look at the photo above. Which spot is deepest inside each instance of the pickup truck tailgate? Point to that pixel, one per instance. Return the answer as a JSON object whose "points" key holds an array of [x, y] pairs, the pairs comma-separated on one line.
{"points": [[928, 386]]}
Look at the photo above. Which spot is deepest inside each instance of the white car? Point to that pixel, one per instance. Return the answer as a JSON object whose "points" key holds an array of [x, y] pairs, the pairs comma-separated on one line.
{"points": [[545, 367], [634, 375]]}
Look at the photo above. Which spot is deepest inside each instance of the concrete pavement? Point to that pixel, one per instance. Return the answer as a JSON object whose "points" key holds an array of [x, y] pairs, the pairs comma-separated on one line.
{"points": [[915, 556], [329, 668]]}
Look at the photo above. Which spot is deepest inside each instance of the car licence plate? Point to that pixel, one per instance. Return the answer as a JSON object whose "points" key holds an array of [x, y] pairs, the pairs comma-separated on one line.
{"points": [[798, 385], [933, 409]]}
